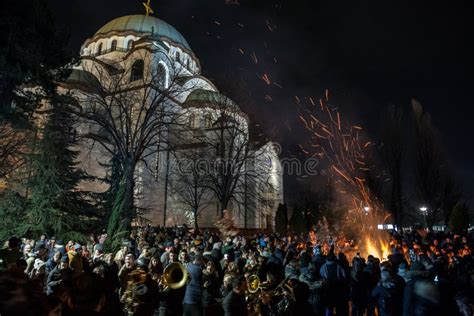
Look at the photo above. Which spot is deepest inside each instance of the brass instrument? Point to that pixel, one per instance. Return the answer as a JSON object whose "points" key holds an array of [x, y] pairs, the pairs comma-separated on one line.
{"points": [[284, 289], [136, 278], [174, 276], [253, 283]]}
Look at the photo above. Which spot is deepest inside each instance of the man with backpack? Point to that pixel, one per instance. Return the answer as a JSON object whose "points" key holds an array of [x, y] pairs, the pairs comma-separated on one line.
{"points": [[334, 279]]}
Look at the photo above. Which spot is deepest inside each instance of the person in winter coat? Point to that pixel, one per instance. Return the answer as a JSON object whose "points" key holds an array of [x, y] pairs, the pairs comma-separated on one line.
{"points": [[385, 294], [192, 303], [334, 278], [226, 286], [403, 271], [311, 277], [75, 259], [372, 270], [60, 277], [421, 296], [53, 262], [234, 303], [359, 287], [210, 291]]}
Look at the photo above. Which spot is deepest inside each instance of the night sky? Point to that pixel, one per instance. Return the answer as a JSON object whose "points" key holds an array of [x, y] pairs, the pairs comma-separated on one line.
{"points": [[369, 54]]}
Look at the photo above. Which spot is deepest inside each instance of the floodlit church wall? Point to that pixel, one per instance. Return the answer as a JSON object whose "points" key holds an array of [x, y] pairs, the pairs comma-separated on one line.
{"points": [[171, 62]]}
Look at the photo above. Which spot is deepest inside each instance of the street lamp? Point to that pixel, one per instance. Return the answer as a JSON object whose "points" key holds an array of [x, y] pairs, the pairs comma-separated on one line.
{"points": [[424, 212], [366, 209]]}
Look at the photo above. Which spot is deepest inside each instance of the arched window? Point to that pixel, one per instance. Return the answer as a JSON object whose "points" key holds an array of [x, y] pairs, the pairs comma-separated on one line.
{"points": [[137, 70], [192, 121], [187, 63], [207, 121], [129, 44], [113, 46], [161, 74], [99, 49], [178, 57]]}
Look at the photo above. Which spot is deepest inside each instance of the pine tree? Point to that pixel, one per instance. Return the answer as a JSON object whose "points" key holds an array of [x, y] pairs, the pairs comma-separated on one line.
{"points": [[297, 221], [56, 205], [281, 219], [112, 179], [13, 206]]}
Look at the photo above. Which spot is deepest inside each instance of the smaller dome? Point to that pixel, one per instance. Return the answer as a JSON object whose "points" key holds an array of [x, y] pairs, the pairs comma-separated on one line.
{"points": [[208, 96], [144, 24], [83, 78]]}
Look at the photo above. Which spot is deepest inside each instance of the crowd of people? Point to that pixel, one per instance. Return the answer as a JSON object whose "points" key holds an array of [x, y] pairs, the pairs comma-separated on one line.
{"points": [[268, 274]]}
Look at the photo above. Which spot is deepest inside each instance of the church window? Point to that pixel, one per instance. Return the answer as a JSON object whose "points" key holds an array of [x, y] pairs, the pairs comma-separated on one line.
{"points": [[113, 46], [99, 49], [129, 44], [137, 70], [207, 121], [192, 121], [161, 73], [178, 57]]}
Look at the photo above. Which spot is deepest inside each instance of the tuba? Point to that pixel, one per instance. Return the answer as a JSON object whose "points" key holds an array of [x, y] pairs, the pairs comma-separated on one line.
{"points": [[174, 276], [253, 284]]}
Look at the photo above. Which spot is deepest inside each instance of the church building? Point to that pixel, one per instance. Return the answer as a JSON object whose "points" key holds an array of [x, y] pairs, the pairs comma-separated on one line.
{"points": [[198, 155]]}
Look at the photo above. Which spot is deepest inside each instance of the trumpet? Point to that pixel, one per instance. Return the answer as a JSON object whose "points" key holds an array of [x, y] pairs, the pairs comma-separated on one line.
{"points": [[174, 276]]}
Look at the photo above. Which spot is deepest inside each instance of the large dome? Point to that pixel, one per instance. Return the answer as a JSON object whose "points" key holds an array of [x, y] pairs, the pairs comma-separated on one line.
{"points": [[144, 24]]}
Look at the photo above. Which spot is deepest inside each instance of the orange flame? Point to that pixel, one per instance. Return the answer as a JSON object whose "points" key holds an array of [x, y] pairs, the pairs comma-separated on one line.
{"points": [[378, 249], [312, 238]]}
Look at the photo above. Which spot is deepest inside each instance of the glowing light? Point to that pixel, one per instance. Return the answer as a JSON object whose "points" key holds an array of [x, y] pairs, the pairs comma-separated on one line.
{"points": [[379, 249]]}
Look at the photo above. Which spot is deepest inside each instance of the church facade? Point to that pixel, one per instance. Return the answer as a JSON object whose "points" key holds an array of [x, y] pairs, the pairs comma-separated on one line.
{"points": [[198, 155]]}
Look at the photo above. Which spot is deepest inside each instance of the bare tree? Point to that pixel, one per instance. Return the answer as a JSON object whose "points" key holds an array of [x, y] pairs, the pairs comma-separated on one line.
{"points": [[233, 160], [391, 152], [189, 182], [436, 187], [129, 107]]}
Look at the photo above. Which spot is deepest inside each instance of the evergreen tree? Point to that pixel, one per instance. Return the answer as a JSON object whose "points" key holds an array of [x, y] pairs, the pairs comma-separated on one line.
{"points": [[56, 205], [117, 229], [13, 207], [33, 53], [281, 219], [112, 179], [297, 221]]}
